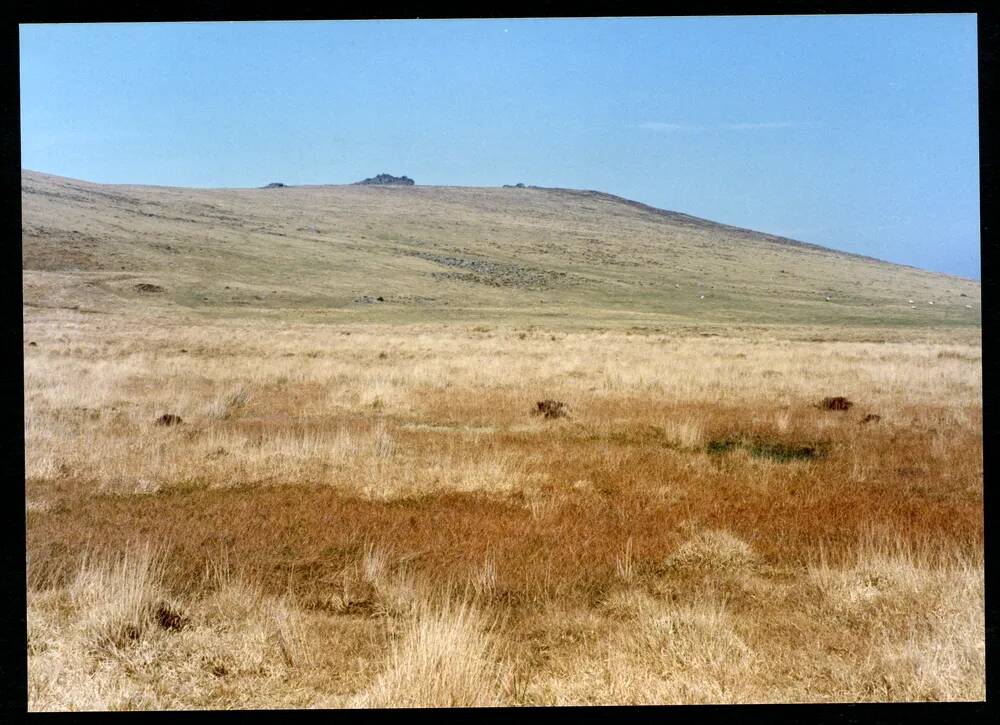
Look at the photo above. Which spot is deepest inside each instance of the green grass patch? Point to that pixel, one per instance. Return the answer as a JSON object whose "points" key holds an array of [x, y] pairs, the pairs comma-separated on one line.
{"points": [[772, 450]]}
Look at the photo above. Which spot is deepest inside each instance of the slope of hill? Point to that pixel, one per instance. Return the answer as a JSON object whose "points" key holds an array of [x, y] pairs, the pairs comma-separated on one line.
{"points": [[385, 253]]}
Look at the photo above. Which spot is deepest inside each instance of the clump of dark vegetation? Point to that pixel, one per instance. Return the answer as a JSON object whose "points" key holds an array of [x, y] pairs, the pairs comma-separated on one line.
{"points": [[871, 418], [32, 344], [217, 667], [723, 445], [836, 403], [952, 355], [550, 409], [168, 618], [148, 288], [759, 447], [169, 419]]}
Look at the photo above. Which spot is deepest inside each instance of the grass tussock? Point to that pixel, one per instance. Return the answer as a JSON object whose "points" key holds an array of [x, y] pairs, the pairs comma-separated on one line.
{"points": [[119, 597], [448, 657], [713, 551]]}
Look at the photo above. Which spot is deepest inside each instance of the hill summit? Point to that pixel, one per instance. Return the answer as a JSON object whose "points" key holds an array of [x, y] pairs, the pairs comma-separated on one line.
{"points": [[386, 180]]}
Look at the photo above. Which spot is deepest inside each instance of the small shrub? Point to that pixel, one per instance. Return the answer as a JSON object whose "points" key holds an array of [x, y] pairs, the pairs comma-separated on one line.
{"points": [[836, 403], [550, 409], [169, 618]]}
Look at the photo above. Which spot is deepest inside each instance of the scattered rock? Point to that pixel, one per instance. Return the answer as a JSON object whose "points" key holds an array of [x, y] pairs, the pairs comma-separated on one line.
{"points": [[169, 419], [550, 409], [147, 287], [871, 418], [836, 403], [495, 274], [183, 349], [386, 180], [32, 344], [397, 300]]}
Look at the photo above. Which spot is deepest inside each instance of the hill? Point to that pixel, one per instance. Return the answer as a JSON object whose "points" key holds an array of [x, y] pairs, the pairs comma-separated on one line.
{"points": [[388, 253]]}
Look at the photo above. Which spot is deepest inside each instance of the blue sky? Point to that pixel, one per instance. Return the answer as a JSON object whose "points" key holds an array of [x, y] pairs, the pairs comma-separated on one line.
{"points": [[855, 132]]}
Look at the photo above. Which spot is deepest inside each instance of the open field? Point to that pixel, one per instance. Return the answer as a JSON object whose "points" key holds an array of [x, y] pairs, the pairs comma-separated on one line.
{"points": [[359, 505], [364, 514]]}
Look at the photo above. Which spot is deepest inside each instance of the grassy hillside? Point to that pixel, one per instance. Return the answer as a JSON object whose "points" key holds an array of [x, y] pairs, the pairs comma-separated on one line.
{"points": [[551, 256], [244, 490]]}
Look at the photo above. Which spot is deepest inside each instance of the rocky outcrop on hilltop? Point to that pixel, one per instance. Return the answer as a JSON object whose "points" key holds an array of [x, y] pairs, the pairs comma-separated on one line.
{"points": [[275, 185], [386, 180]]}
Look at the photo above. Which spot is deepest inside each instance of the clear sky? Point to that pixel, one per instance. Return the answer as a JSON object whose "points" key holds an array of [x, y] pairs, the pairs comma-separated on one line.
{"points": [[855, 132]]}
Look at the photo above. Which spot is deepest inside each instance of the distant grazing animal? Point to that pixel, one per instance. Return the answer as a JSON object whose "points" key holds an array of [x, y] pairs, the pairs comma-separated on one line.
{"points": [[827, 299], [702, 297], [968, 307], [910, 301], [931, 302]]}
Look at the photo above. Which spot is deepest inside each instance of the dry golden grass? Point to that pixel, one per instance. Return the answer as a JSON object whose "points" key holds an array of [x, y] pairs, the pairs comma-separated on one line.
{"points": [[448, 657], [370, 515]]}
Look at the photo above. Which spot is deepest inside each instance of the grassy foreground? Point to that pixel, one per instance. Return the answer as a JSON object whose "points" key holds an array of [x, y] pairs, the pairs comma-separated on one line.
{"points": [[356, 515]]}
